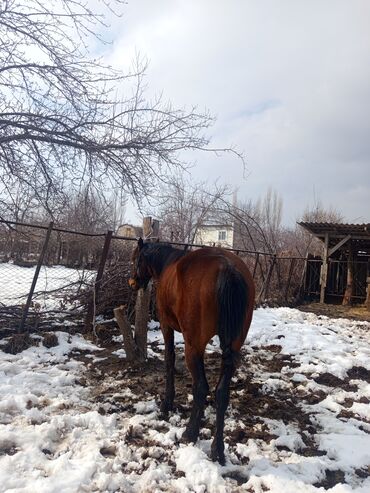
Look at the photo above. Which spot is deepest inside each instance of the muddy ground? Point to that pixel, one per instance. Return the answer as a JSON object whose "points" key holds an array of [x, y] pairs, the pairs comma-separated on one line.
{"points": [[250, 404]]}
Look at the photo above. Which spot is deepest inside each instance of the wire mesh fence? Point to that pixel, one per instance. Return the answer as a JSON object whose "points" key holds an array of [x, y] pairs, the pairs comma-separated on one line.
{"points": [[49, 274], [43, 272]]}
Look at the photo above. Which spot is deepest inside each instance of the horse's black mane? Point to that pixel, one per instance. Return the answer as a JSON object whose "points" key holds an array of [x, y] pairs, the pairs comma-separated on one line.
{"points": [[160, 255]]}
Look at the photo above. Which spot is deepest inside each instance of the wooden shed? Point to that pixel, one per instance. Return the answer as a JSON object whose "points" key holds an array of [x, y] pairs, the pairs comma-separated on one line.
{"points": [[342, 274]]}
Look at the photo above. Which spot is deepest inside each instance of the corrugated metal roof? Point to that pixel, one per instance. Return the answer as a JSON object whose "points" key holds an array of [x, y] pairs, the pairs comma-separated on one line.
{"points": [[319, 229], [360, 233]]}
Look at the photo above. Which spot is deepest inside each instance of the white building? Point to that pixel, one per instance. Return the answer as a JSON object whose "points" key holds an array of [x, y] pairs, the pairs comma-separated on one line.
{"points": [[221, 235]]}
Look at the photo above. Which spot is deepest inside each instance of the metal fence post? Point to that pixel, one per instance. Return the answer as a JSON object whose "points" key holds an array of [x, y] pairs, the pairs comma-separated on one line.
{"points": [[91, 306], [35, 277]]}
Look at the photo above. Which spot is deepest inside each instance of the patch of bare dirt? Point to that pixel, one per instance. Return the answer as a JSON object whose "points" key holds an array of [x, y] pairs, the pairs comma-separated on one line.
{"points": [[359, 373], [18, 343], [331, 479], [356, 312], [330, 380]]}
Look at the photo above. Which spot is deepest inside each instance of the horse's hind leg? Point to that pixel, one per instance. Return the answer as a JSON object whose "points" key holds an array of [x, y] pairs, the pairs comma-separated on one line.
{"points": [[167, 402], [195, 363], [222, 401]]}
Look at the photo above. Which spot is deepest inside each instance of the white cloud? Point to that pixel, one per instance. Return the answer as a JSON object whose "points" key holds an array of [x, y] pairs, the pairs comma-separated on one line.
{"points": [[289, 82]]}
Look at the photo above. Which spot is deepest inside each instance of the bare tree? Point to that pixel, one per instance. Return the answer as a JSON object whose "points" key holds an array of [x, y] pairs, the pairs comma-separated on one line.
{"points": [[306, 243], [17, 202], [257, 225], [62, 125], [184, 206]]}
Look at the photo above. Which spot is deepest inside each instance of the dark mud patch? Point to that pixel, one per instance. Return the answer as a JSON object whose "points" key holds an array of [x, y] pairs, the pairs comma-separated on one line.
{"points": [[314, 397], [331, 479], [242, 435], [363, 473], [274, 348], [330, 380], [18, 343], [8, 448], [359, 373], [50, 340], [237, 477]]}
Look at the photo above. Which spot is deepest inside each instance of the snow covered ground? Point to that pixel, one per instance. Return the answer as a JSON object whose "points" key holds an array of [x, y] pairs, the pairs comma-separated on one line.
{"points": [[16, 283], [74, 418]]}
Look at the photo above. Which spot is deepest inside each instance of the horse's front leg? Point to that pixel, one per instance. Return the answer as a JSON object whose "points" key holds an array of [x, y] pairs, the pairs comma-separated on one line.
{"points": [[195, 363], [167, 401]]}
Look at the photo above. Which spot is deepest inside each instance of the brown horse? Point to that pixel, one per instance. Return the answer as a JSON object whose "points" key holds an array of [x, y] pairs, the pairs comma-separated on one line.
{"points": [[202, 293]]}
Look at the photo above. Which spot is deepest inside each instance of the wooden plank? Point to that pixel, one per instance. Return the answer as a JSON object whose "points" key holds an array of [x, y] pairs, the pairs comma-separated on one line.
{"points": [[338, 245]]}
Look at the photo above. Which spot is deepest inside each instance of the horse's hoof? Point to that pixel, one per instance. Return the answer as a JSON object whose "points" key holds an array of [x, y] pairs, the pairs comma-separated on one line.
{"points": [[189, 436], [218, 455], [165, 408]]}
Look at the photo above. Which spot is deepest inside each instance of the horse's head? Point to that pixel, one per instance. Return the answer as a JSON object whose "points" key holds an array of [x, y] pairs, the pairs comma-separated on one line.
{"points": [[140, 269]]}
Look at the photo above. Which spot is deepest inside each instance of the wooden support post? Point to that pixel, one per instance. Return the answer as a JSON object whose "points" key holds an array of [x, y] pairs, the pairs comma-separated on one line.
{"points": [[290, 273], [90, 315], [324, 269], [367, 303], [35, 277], [150, 228], [347, 298], [126, 331], [141, 321]]}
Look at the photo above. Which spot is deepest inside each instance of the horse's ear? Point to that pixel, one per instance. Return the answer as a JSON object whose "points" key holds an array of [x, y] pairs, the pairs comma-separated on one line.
{"points": [[140, 243]]}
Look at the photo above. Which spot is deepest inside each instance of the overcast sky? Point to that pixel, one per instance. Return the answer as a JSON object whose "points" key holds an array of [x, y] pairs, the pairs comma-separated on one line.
{"points": [[289, 83]]}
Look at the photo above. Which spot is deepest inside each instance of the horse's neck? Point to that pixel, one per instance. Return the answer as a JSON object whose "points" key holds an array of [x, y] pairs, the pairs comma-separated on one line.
{"points": [[164, 257]]}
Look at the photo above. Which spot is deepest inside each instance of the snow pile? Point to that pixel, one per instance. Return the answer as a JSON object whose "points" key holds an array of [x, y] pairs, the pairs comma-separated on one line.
{"points": [[60, 433]]}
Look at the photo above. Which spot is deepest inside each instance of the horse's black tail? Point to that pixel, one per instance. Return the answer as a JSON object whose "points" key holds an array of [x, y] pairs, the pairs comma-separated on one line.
{"points": [[232, 294]]}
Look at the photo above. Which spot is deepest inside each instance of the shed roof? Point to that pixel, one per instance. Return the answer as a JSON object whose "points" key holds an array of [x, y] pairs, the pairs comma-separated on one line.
{"points": [[360, 233]]}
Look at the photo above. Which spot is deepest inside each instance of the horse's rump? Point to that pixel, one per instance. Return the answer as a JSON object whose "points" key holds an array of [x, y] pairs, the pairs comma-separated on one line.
{"points": [[207, 288]]}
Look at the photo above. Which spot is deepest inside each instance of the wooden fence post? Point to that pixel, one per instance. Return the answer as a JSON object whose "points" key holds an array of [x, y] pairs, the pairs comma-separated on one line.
{"points": [[265, 286], [35, 277], [268, 278], [255, 264], [300, 295], [150, 230], [126, 331], [90, 315], [290, 273]]}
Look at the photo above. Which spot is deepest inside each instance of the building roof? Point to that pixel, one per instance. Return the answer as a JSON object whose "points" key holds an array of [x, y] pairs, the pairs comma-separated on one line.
{"points": [[215, 226], [359, 233]]}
